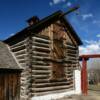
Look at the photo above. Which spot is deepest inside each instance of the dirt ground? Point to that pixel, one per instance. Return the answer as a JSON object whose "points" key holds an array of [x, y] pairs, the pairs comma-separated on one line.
{"points": [[92, 95]]}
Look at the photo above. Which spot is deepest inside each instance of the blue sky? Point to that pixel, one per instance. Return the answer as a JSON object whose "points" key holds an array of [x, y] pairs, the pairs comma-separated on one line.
{"points": [[14, 13]]}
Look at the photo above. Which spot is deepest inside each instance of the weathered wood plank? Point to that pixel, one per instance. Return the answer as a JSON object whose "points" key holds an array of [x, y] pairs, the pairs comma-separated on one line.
{"points": [[18, 44], [20, 52], [41, 40], [40, 44], [70, 46], [37, 67], [51, 92], [41, 76], [36, 62], [18, 48], [40, 58], [21, 56], [22, 60], [41, 49], [51, 84], [42, 36], [52, 88], [39, 53], [41, 71]]}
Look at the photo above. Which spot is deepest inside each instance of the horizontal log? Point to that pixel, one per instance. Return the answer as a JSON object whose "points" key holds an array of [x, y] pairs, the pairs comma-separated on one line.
{"points": [[18, 48], [40, 44], [46, 42], [71, 46], [51, 92], [39, 37], [74, 59], [71, 52], [36, 62], [41, 80], [69, 74], [69, 78], [22, 60], [41, 40], [42, 36], [23, 74], [24, 84], [69, 65], [54, 80], [70, 61], [20, 52], [41, 76], [37, 67], [18, 44], [41, 72], [52, 88], [68, 70], [40, 58], [25, 87], [71, 55], [51, 84], [43, 49], [58, 61], [22, 56], [41, 53], [26, 74]]}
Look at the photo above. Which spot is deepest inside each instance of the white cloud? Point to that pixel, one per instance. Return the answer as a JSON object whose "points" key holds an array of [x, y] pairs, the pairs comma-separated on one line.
{"points": [[12, 34], [86, 16], [98, 35], [90, 42], [91, 47], [50, 3], [69, 4], [54, 2]]}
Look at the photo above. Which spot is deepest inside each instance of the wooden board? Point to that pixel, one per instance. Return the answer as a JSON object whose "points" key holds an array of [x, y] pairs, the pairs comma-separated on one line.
{"points": [[9, 86]]}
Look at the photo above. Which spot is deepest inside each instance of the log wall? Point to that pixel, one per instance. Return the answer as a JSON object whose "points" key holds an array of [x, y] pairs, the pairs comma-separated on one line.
{"points": [[21, 51], [48, 59], [50, 73]]}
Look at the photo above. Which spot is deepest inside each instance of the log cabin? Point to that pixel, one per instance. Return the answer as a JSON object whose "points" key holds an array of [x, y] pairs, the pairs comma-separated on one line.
{"points": [[47, 50], [10, 72]]}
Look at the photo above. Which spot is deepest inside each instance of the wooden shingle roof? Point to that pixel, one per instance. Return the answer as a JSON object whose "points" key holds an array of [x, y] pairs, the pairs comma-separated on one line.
{"points": [[7, 59]]}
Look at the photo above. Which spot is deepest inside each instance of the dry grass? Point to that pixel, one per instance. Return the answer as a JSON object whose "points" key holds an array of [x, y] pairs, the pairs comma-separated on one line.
{"points": [[91, 96]]}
